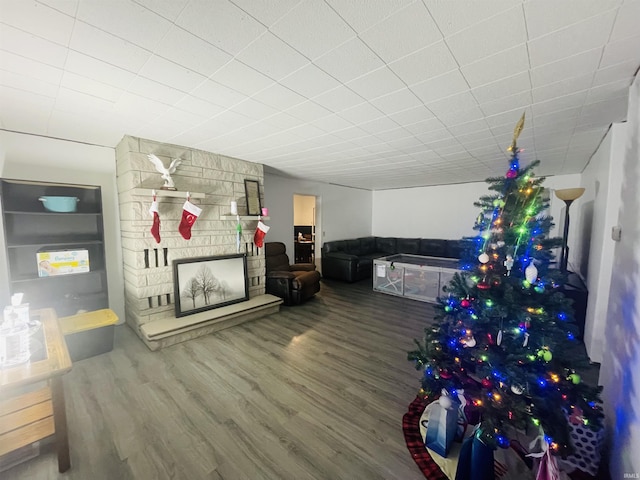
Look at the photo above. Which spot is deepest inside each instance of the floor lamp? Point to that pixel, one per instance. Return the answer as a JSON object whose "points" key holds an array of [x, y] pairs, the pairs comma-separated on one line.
{"points": [[567, 195]]}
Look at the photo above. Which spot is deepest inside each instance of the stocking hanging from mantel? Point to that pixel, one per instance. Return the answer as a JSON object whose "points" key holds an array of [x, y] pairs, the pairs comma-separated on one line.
{"points": [[190, 214], [153, 210]]}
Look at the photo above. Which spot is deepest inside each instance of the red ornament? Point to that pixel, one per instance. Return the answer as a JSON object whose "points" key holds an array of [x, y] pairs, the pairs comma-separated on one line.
{"points": [[486, 383], [484, 285], [512, 173], [465, 303], [445, 374]]}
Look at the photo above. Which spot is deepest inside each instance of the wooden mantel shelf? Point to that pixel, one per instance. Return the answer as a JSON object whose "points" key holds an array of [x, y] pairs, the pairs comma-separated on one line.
{"points": [[168, 193]]}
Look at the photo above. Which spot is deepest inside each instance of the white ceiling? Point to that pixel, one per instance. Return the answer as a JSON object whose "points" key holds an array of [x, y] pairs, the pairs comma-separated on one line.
{"points": [[374, 94]]}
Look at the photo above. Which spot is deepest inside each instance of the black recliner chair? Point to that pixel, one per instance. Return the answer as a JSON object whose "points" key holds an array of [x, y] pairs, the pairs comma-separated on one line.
{"points": [[293, 283]]}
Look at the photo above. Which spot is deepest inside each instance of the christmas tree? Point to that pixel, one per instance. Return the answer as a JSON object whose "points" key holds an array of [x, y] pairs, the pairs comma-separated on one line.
{"points": [[504, 331]]}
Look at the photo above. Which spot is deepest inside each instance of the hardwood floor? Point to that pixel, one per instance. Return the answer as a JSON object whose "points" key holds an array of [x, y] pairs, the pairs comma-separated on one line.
{"points": [[315, 391]]}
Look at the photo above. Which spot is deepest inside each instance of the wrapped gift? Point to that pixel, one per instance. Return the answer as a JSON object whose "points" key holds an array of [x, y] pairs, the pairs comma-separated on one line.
{"points": [[441, 428], [475, 461], [587, 446]]}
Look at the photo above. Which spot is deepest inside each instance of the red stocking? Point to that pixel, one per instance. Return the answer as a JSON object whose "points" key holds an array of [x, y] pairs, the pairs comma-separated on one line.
{"points": [[190, 214], [155, 228], [261, 231]]}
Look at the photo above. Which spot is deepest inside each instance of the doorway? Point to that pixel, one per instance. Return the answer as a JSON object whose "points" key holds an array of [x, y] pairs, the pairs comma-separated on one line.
{"points": [[304, 228]]}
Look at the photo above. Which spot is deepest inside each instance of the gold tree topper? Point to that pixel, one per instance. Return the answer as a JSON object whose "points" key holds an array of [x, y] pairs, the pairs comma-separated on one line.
{"points": [[516, 133]]}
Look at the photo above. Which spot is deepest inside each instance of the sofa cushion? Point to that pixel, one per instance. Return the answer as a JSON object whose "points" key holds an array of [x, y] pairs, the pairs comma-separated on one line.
{"points": [[335, 246], [353, 247], [433, 247], [367, 245], [456, 248], [386, 245], [408, 245]]}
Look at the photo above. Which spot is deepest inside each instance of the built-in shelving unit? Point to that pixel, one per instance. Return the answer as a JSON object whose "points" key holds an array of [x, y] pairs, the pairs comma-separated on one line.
{"points": [[30, 229]]}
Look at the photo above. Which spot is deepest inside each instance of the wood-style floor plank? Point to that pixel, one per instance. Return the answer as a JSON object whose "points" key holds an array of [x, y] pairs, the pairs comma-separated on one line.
{"points": [[316, 391]]}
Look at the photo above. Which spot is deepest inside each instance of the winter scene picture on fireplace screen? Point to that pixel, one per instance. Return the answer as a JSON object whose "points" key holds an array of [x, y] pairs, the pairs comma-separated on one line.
{"points": [[204, 283]]}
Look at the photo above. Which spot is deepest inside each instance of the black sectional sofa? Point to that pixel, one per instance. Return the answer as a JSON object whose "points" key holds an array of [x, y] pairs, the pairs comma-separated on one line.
{"points": [[352, 260]]}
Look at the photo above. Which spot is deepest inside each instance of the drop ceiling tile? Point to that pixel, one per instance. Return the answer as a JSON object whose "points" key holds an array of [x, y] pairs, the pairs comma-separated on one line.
{"points": [[399, 100], [452, 18], [412, 115], [124, 21], [309, 81], [313, 27], [109, 134], [378, 125], [495, 67], [488, 37], [615, 72], [412, 27], [428, 62], [376, 83], [621, 51], [363, 14], [308, 111], [29, 46], [24, 111], [331, 123], [39, 20], [169, 9], [542, 20], [268, 12], [68, 7], [241, 78], [69, 100], [89, 86], [580, 37], [450, 83], [338, 99], [279, 96], [626, 24], [222, 24], [608, 91], [517, 83], [456, 108], [427, 136], [474, 130], [560, 103], [563, 87], [156, 91], [108, 48], [11, 62], [350, 60], [94, 69], [574, 66], [272, 57], [28, 84], [190, 51], [253, 109], [171, 74], [360, 113], [510, 118], [506, 104], [198, 106], [138, 107]]}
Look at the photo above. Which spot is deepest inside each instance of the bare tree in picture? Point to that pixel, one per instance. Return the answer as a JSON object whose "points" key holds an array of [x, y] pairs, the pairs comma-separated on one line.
{"points": [[207, 282], [192, 291]]}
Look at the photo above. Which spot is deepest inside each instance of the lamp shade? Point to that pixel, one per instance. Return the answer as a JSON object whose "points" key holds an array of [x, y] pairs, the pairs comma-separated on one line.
{"points": [[569, 194]]}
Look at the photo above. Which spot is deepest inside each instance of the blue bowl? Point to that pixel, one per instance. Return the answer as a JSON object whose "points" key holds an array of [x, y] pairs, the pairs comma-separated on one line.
{"points": [[60, 204]]}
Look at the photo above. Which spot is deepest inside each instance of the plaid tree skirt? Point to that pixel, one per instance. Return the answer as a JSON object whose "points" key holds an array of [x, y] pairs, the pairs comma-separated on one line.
{"points": [[419, 453]]}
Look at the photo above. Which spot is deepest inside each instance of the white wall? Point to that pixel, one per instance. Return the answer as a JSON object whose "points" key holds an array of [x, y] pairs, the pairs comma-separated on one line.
{"points": [[29, 157], [447, 211], [342, 212], [620, 369], [598, 214]]}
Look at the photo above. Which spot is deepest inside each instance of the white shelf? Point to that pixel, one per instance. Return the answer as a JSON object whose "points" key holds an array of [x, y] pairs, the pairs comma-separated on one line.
{"points": [[243, 217], [168, 193]]}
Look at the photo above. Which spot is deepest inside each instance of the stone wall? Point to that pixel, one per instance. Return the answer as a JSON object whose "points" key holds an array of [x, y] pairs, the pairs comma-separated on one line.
{"points": [[218, 180]]}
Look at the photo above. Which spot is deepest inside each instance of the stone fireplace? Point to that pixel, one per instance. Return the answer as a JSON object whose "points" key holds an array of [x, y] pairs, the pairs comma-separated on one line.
{"points": [[212, 182]]}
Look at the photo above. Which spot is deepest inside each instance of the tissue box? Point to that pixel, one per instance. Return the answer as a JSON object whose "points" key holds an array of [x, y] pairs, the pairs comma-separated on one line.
{"points": [[62, 262]]}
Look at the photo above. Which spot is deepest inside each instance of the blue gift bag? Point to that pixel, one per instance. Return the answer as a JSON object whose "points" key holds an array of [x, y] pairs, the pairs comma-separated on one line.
{"points": [[441, 429]]}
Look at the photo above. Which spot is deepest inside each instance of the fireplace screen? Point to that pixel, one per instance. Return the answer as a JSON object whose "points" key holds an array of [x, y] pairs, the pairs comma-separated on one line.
{"points": [[205, 283]]}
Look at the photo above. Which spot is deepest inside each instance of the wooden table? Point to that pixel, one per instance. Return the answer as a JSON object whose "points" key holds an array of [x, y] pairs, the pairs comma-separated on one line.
{"points": [[29, 412]]}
